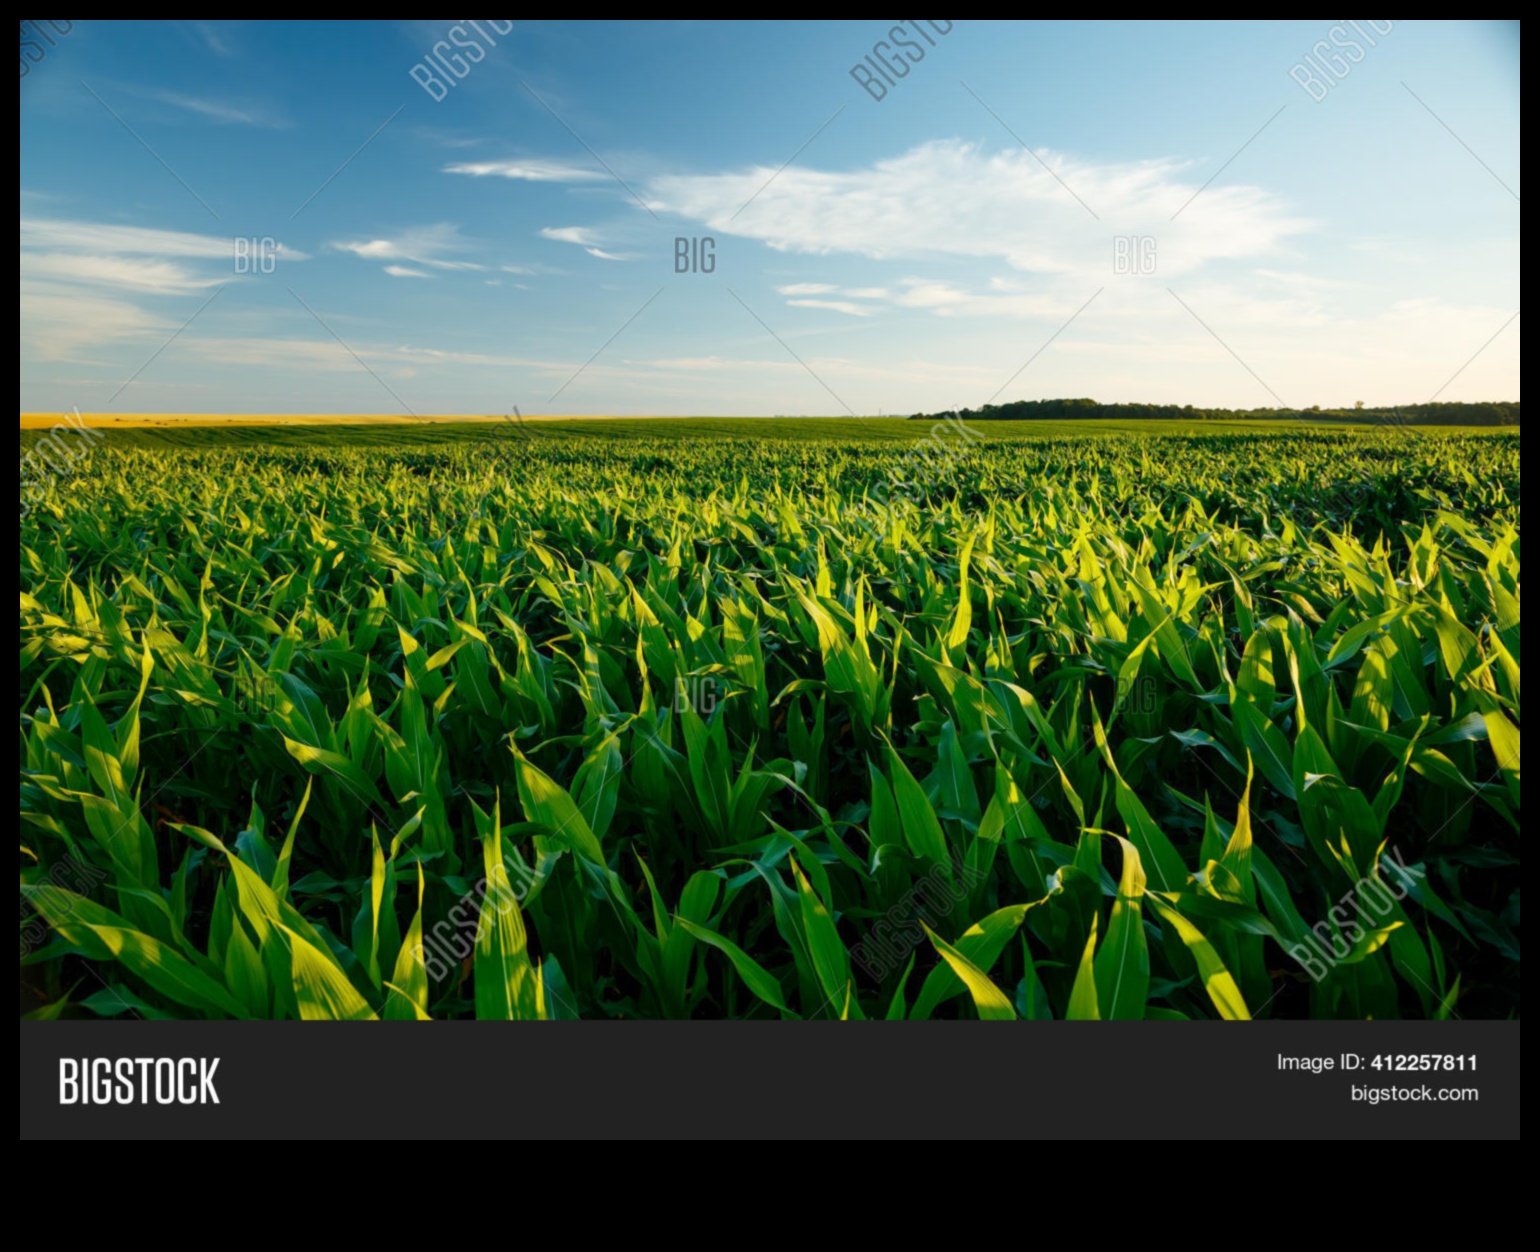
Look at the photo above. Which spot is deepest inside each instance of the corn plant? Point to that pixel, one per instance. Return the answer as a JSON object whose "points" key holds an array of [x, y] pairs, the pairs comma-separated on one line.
{"points": [[1092, 727]]}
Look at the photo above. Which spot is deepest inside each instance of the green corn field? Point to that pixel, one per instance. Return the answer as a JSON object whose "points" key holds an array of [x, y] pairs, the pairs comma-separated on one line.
{"points": [[758, 725]]}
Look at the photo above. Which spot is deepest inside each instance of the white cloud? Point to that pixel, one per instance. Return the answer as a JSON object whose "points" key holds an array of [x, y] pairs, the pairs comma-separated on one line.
{"points": [[583, 238], [805, 293], [435, 247], [945, 299], [952, 199], [220, 111], [63, 322], [75, 277], [101, 239], [213, 38], [835, 306], [1312, 284], [448, 138], [579, 235], [531, 171], [151, 277], [271, 353], [405, 271]]}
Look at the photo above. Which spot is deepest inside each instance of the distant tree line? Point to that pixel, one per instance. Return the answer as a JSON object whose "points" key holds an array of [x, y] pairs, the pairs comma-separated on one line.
{"points": [[1454, 414]]}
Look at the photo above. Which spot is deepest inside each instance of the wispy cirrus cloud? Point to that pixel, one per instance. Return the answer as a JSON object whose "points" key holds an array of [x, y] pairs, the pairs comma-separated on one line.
{"points": [[448, 138], [80, 280], [439, 247], [220, 110], [69, 322], [128, 258], [112, 239], [224, 112], [150, 277], [834, 306], [214, 38], [531, 170], [821, 296], [584, 238]]}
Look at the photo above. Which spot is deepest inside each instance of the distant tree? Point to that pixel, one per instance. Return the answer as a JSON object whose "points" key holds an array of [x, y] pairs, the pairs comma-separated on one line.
{"points": [[1440, 414]]}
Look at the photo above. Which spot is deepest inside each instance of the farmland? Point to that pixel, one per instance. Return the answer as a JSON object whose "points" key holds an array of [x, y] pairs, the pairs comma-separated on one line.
{"points": [[724, 720]]}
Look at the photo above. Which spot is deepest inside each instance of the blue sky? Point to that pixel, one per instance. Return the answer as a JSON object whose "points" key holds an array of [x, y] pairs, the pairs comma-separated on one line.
{"points": [[1311, 212]]}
